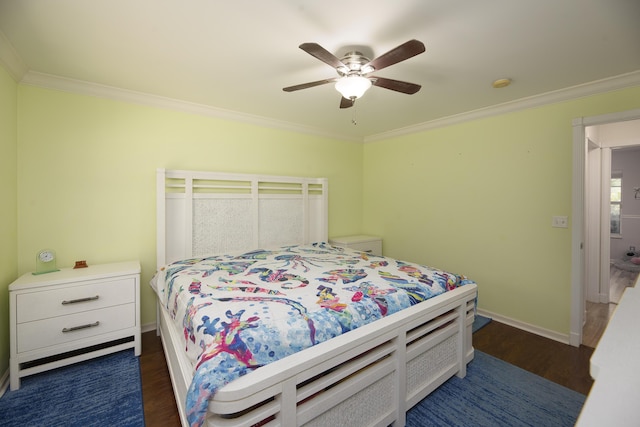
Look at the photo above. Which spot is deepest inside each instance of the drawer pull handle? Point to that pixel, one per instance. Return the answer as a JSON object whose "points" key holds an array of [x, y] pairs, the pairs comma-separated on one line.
{"points": [[75, 328], [75, 301]]}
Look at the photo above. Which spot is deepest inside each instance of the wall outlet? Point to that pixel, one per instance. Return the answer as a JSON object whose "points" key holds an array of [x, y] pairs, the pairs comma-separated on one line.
{"points": [[560, 222]]}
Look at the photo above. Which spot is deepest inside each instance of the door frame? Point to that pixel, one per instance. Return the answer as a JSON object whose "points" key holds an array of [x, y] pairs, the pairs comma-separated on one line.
{"points": [[579, 210]]}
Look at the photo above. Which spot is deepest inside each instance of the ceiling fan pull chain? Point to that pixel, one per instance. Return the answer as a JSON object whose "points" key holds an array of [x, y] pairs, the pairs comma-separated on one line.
{"points": [[354, 120]]}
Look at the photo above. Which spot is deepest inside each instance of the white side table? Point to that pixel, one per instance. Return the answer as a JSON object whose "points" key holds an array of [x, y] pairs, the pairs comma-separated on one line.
{"points": [[364, 243], [72, 315]]}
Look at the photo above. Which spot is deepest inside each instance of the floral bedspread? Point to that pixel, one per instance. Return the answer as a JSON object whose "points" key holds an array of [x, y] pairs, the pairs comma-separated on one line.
{"points": [[240, 312]]}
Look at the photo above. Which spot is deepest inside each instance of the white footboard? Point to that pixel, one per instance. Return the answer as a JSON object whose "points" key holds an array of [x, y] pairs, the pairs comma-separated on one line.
{"points": [[367, 377]]}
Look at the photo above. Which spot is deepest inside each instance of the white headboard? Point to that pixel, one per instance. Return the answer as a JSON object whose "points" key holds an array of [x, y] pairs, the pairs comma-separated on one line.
{"points": [[206, 213]]}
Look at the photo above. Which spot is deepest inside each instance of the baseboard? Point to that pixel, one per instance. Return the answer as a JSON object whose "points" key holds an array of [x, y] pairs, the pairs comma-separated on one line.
{"points": [[603, 299], [148, 327], [575, 339], [553, 335]]}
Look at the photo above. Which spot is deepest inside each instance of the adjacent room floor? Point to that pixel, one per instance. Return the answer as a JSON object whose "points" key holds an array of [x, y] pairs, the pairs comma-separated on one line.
{"points": [[598, 315]]}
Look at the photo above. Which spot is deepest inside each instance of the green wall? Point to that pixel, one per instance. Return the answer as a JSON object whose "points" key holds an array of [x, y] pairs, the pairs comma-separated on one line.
{"points": [[87, 166], [8, 206], [78, 176], [478, 198]]}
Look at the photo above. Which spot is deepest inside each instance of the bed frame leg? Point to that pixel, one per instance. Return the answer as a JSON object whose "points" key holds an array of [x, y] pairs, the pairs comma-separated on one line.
{"points": [[401, 375], [287, 413], [462, 338]]}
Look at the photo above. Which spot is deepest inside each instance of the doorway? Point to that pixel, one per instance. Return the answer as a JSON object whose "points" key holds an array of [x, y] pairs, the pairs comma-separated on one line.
{"points": [[618, 225], [593, 140]]}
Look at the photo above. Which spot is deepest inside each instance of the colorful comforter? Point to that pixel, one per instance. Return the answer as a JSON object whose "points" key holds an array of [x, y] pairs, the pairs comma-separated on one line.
{"points": [[240, 312]]}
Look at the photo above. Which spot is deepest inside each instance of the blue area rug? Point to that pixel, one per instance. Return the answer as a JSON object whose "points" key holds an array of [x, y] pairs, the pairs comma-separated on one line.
{"points": [[480, 322], [495, 393], [105, 391]]}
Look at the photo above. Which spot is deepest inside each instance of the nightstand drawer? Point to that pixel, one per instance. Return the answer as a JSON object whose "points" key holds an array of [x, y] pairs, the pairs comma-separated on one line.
{"points": [[64, 329], [373, 247], [68, 300]]}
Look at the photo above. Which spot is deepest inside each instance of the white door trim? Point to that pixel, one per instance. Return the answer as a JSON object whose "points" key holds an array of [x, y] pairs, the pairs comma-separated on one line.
{"points": [[592, 221], [605, 218]]}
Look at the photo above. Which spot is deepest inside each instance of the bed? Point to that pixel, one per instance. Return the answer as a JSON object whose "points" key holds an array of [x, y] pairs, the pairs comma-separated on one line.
{"points": [[239, 255]]}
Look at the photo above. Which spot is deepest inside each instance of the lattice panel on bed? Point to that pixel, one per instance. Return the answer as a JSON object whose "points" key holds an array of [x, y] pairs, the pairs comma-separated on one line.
{"points": [[221, 225], [366, 407], [281, 221], [430, 365], [222, 212]]}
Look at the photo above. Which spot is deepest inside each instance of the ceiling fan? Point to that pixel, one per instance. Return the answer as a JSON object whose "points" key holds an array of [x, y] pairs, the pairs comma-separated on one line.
{"points": [[354, 68]]}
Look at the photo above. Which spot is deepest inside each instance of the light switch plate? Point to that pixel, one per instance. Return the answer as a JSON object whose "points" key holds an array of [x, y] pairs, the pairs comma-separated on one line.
{"points": [[560, 222]]}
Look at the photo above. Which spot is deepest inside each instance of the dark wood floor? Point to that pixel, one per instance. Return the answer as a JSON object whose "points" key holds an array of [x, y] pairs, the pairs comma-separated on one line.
{"points": [[557, 362], [157, 394], [560, 363]]}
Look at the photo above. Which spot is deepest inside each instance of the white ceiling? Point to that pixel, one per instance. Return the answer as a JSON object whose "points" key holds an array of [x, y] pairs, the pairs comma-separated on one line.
{"points": [[234, 57]]}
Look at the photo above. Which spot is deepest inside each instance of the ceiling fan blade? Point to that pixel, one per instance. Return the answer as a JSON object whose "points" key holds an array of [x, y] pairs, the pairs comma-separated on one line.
{"points": [[397, 85], [346, 103], [317, 51], [400, 53], [308, 85]]}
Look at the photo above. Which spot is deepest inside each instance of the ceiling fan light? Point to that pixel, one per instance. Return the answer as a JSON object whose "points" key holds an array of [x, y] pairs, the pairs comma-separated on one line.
{"points": [[352, 87]]}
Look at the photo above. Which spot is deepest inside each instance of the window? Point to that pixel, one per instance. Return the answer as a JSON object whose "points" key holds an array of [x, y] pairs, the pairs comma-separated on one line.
{"points": [[616, 201]]}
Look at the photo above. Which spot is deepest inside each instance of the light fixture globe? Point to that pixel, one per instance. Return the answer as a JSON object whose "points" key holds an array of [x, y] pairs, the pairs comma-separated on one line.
{"points": [[353, 87]]}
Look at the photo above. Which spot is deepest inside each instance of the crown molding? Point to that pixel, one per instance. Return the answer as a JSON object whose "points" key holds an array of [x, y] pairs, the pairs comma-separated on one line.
{"points": [[587, 89], [93, 89], [10, 59], [48, 81]]}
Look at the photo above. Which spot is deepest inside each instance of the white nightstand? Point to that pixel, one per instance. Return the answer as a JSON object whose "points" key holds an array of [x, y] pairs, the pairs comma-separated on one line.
{"points": [[364, 243], [72, 315]]}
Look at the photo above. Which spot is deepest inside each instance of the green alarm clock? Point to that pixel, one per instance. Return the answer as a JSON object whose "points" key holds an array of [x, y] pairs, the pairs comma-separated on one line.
{"points": [[45, 262]]}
